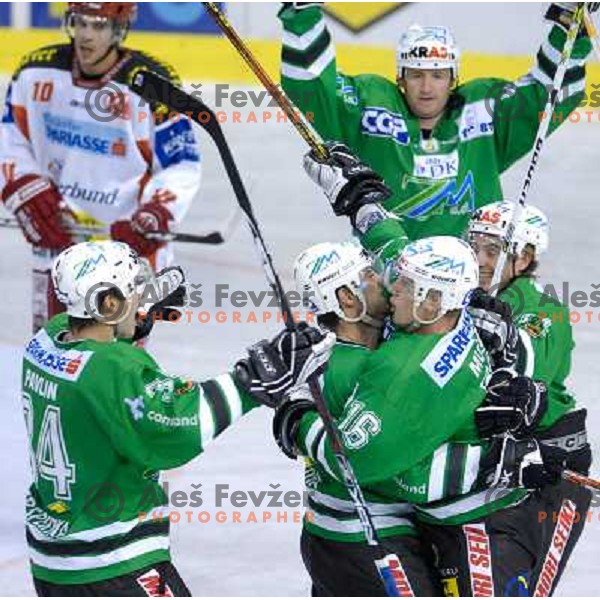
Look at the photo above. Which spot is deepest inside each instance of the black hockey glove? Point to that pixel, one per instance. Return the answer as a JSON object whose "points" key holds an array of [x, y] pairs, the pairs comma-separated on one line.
{"points": [[562, 13], [513, 404], [273, 369], [170, 288], [493, 320], [347, 182], [287, 419], [511, 463]]}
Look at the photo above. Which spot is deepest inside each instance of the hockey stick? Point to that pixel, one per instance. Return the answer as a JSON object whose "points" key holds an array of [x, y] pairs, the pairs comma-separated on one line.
{"points": [[538, 144], [592, 32], [212, 238], [577, 478], [296, 117], [154, 88]]}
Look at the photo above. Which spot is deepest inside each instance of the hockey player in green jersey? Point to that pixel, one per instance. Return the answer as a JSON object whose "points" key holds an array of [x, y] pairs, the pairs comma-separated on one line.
{"points": [[345, 293], [103, 419], [409, 425], [439, 145], [540, 344]]}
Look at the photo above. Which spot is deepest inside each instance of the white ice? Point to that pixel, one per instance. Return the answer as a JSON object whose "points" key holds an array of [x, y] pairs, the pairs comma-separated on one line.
{"points": [[263, 559]]}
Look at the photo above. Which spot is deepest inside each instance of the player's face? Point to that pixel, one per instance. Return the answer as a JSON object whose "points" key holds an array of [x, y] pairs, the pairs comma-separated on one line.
{"points": [[488, 249], [402, 302], [372, 288], [93, 38], [404, 312], [427, 91]]}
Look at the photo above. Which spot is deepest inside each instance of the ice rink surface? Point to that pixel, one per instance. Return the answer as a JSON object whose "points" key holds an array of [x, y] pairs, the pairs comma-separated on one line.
{"points": [[230, 559]]}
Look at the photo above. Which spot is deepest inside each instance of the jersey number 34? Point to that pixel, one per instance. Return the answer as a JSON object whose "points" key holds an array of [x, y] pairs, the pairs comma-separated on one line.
{"points": [[48, 457]]}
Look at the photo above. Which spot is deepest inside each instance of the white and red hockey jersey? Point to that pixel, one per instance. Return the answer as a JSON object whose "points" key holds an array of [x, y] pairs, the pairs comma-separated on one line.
{"points": [[104, 147]]}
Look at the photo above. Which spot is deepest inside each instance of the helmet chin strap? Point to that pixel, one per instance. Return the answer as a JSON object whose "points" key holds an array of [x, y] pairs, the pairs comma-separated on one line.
{"points": [[363, 317], [417, 323]]}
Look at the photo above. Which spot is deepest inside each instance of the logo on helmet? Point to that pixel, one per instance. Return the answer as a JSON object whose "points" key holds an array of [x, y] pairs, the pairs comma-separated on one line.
{"points": [[324, 261]]}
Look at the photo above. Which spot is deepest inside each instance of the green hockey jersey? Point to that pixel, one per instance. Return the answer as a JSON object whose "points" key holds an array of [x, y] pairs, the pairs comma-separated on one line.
{"points": [[437, 182], [547, 335], [333, 514], [408, 427], [102, 420]]}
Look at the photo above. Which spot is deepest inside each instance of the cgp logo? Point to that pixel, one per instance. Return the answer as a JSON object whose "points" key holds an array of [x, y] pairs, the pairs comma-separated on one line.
{"points": [[381, 122]]}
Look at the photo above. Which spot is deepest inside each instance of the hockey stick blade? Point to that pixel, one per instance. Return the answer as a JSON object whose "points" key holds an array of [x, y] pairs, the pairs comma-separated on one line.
{"points": [[153, 89], [212, 238], [156, 89]]}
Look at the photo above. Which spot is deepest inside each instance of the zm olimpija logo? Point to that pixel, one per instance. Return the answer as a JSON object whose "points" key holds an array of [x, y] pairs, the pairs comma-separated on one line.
{"points": [[88, 265], [447, 264], [324, 261]]}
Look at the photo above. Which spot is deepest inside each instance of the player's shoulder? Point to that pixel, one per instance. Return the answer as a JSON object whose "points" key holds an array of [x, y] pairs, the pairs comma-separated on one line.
{"points": [[140, 60], [373, 84], [55, 56], [539, 309], [481, 88], [389, 359]]}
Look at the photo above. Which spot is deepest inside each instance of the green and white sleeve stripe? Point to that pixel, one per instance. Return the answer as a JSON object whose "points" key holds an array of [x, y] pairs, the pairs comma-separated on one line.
{"points": [[307, 46], [314, 446], [548, 58], [221, 404]]}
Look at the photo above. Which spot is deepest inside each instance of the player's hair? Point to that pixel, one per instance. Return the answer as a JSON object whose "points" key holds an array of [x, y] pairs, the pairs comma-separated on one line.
{"points": [[79, 323], [531, 270], [328, 321]]}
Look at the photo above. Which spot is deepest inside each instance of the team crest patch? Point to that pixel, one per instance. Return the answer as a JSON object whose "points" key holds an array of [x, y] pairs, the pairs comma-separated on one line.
{"points": [[534, 325]]}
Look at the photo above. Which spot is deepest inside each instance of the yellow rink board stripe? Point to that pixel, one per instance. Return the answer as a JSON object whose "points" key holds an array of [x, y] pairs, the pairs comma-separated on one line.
{"points": [[200, 58]]}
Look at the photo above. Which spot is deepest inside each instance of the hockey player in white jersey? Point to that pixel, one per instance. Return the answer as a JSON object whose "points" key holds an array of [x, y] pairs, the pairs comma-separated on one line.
{"points": [[77, 145]]}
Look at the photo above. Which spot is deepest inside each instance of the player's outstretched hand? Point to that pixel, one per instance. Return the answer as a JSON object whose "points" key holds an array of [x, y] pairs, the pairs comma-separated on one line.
{"points": [[512, 404], [170, 290], [152, 217], [347, 182], [493, 320], [274, 368], [37, 205]]}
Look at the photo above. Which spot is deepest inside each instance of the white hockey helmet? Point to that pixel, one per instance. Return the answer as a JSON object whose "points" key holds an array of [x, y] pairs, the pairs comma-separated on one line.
{"points": [[427, 48], [323, 269], [444, 264], [493, 219], [84, 270]]}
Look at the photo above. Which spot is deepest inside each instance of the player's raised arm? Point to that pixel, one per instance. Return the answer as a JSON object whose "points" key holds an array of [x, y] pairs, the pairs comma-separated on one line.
{"points": [[309, 73], [518, 106]]}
